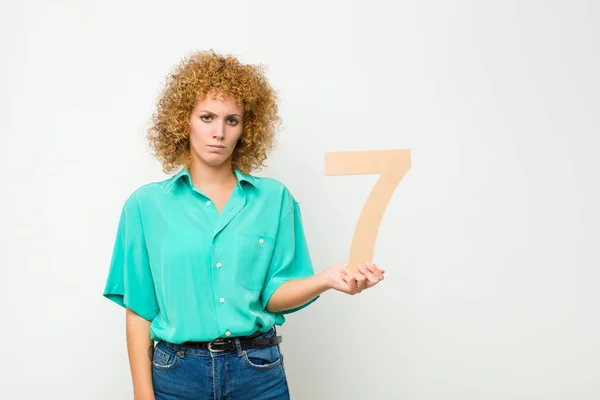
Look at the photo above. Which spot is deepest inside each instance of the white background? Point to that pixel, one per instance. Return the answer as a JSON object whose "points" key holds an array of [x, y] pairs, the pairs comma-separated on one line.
{"points": [[490, 242]]}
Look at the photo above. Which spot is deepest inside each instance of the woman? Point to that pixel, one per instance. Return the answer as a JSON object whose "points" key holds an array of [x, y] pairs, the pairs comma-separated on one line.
{"points": [[208, 262]]}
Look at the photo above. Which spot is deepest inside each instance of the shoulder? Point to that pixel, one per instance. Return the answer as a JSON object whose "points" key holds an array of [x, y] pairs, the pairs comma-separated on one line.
{"points": [[268, 184], [272, 186], [277, 194], [147, 193]]}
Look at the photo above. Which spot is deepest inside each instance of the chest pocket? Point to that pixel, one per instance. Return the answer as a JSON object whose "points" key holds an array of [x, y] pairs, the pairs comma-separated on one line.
{"points": [[253, 257]]}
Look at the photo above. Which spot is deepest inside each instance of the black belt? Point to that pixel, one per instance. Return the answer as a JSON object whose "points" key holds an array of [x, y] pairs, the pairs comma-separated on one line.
{"points": [[222, 345]]}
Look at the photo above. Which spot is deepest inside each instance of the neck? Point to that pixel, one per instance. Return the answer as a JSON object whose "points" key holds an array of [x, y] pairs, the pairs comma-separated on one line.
{"points": [[205, 176]]}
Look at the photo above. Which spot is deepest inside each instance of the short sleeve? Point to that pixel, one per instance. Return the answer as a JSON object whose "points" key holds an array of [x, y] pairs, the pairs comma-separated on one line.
{"points": [[291, 258], [129, 282]]}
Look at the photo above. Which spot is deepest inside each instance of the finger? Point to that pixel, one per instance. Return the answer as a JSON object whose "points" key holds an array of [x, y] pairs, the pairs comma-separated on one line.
{"points": [[375, 270], [343, 275], [379, 269], [361, 282], [371, 277], [370, 284], [341, 284], [350, 284]]}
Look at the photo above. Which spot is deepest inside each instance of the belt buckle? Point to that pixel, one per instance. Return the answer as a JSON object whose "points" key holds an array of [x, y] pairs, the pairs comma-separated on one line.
{"points": [[217, 341]]}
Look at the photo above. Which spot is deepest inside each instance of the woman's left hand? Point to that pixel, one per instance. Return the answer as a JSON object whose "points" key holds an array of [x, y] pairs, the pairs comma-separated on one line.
{"points": [[341, 279]]}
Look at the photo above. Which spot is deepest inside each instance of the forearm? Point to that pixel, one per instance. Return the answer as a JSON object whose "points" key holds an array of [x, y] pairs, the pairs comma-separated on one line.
{"points": [[297, 292], [138, 345]]}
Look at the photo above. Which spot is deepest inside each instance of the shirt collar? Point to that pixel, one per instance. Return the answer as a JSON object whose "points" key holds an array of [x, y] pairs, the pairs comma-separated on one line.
{"points": [[241, 177], [185, 172]]}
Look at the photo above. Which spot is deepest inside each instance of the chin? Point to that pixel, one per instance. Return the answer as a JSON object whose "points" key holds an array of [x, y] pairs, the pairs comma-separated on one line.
{"points": [[210, 159], [215, 161]]}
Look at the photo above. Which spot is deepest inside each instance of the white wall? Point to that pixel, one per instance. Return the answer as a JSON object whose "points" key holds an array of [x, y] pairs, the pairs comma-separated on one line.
{"points": [[490, 241]]}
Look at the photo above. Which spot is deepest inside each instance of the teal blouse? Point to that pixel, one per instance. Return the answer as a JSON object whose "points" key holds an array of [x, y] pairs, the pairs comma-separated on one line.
{"points": [[199, 275]]}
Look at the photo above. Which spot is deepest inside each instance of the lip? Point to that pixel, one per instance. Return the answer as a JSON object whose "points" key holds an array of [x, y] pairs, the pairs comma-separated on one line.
{"points": [[217, 147]]}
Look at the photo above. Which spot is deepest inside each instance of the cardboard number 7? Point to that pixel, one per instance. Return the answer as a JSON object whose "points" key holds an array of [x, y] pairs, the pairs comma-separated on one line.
{"points": [[392, 166]]}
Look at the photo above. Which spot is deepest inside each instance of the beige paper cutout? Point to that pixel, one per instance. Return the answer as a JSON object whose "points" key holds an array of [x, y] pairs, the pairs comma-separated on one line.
{"points": [[392, 165]]}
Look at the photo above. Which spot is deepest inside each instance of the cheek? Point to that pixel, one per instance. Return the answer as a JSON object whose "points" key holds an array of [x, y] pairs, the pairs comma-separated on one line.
{"points": [[193, 138], [198, 133], [236, 134]]}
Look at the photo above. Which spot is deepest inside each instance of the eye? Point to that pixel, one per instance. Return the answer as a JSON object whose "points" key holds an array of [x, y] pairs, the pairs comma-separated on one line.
{"points": [[232, 121], [206, 118]]}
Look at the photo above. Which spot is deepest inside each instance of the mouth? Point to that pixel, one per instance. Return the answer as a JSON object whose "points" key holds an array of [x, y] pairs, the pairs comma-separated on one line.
{"points": [[216, 146]]}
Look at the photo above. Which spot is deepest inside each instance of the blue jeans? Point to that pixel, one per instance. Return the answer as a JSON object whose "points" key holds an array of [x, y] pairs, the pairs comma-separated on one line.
{"points": [[184, 373]]}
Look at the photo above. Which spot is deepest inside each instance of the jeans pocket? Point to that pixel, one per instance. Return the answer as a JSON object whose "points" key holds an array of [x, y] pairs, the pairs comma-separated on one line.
{"points": [[262, 358], [164, 357]]}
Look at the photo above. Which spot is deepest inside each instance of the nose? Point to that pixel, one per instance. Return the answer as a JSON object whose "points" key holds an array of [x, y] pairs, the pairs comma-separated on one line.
{"points": [[219, 132]]}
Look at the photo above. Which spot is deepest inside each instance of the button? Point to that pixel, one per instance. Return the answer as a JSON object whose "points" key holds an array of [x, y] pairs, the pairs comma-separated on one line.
{"points": [[208, 203], [227, 333], [222, 300], [261, 241], [219, 265]]}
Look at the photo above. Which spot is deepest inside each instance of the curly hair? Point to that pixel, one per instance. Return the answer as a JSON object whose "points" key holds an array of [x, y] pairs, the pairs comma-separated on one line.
{"points": [[193, 79]]}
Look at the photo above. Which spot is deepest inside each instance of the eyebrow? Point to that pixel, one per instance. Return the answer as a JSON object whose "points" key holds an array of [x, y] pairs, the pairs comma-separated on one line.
{"points": [[230, 115]]}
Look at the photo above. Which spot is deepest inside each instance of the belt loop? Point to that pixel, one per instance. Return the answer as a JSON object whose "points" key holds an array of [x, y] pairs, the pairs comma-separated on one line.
{"points": [[238, 347]]}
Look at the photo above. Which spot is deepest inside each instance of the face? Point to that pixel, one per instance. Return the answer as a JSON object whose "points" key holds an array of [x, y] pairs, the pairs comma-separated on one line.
{"points": [[215, 128]]}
